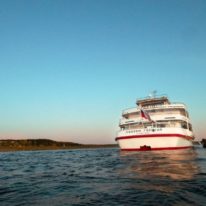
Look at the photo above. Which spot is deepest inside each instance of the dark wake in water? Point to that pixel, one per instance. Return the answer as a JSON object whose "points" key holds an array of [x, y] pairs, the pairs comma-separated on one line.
{"points": [[103, 177]]}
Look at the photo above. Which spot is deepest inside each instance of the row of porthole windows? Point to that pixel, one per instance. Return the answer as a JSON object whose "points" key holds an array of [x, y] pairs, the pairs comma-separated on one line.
{"points": [[146, 130], [149, 130], [133, 131]]}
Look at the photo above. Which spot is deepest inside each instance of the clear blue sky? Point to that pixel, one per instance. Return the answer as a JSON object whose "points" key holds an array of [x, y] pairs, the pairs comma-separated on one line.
{"points": [[69, 67]]}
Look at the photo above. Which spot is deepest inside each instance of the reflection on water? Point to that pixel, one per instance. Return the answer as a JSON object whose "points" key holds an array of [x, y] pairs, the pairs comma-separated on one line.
{"points": [[157, 170], [174, 164]]}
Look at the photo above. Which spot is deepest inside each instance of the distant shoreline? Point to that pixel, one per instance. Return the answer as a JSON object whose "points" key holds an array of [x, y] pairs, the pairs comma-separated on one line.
{"points": [[11, 145]]}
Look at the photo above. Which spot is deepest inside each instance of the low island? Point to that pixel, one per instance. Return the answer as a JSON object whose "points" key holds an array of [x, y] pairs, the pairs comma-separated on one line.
{"points": [[44, 144]]}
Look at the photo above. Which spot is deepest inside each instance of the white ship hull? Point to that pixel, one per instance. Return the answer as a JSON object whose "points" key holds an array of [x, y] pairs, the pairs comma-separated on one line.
{"points": [[155, 139], [157, 142]]}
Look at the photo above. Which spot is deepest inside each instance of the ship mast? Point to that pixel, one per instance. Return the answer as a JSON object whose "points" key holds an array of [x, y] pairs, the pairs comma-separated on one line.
{"points": [[153, 94]]}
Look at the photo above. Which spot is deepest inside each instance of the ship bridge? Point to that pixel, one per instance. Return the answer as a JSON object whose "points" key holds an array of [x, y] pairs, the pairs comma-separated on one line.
{"points": [[153, 101]]}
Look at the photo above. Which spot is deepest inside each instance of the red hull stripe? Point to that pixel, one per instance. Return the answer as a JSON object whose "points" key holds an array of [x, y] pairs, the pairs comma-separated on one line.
{"points": [[153, 135], [160, 148]]}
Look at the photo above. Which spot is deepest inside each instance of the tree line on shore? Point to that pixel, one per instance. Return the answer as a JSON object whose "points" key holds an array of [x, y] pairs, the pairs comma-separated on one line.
{"points": [[42, 144]]}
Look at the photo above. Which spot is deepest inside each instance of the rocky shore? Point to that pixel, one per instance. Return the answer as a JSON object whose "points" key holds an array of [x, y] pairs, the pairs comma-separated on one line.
{"points": [[43, 144]]}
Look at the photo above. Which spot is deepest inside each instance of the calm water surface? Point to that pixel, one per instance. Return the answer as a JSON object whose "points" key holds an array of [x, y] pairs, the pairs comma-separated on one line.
{"points": [[103, 177]]}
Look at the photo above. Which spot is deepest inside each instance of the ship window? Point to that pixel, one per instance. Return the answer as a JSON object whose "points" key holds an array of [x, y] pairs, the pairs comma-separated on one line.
{"points": [[184, 125], [161, 125], [190, 127], [169, 110], [182, 112]]}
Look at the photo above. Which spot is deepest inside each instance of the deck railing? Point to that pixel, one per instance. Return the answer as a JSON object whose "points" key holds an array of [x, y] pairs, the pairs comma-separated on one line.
{"points": [[172, 105]]}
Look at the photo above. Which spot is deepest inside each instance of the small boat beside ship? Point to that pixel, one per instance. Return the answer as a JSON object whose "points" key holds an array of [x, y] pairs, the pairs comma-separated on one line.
{"points": [[203, 142], [155, 124]]}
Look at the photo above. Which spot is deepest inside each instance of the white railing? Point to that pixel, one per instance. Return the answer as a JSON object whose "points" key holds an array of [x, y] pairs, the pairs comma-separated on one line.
{"points": [[164, 106], [154, 118], [130, 110]]}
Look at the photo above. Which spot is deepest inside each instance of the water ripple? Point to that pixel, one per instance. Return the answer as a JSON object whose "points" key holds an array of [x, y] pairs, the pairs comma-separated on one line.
{"points": [[103, 177]]}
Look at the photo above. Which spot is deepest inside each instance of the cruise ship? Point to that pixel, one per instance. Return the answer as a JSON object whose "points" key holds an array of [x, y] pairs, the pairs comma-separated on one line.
{"points": [[155, 124]]}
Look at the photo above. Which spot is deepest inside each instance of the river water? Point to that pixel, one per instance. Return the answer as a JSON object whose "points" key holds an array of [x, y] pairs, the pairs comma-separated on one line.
{"points": [[103, 177]]}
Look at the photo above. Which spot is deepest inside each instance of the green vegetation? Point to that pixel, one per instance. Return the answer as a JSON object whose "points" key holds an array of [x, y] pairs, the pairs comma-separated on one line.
{"points": [[42, 144]]}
